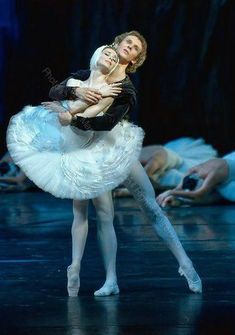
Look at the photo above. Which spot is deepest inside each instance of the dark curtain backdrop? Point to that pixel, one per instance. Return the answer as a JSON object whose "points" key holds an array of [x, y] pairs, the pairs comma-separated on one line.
{"points": [[186, 86]]}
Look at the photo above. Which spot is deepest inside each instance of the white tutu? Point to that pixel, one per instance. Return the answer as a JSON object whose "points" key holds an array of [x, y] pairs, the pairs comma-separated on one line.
{"points": [[69, 162]]}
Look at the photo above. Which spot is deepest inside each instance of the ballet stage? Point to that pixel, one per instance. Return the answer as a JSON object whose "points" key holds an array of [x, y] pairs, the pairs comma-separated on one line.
{"points": [[35, 251]]}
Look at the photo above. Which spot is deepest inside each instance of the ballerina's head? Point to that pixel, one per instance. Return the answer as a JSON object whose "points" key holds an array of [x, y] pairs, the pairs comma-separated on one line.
{"points": [[104, 58]]}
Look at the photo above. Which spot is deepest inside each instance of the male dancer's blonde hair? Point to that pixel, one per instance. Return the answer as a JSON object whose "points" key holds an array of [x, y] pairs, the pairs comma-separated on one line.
{"points": [[142, 55]]}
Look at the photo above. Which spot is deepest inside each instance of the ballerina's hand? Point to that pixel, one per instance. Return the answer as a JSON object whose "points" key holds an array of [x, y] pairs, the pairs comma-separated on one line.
{"points": [[53, 106], [65, 118], [110, 90]]}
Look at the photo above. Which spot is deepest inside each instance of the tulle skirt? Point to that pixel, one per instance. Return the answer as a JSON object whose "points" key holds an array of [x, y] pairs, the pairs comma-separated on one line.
{"points": [[68, 162]]}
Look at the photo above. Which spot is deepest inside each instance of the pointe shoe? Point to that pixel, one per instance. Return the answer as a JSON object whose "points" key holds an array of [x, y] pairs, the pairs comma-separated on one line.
{"points": [[194, 285], [107, 289], [73, 283]]}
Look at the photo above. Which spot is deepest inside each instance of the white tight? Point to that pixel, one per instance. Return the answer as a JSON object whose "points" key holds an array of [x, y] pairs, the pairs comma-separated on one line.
{"points": [[105, 232]]}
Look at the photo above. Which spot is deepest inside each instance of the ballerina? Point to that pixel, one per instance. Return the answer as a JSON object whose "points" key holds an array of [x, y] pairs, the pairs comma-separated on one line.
{"points": [[77, 164]]}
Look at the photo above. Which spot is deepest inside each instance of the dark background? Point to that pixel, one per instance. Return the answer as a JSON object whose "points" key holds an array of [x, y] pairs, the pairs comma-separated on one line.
{"points": [[186, 86]]}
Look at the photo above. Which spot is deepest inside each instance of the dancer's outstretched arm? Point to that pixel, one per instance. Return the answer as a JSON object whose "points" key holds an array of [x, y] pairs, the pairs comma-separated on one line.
{"points": [[212, 172]]}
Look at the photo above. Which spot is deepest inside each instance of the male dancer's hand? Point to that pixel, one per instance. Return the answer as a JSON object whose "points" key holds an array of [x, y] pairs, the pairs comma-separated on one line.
{"points": [[89, 95], [110, 90]]}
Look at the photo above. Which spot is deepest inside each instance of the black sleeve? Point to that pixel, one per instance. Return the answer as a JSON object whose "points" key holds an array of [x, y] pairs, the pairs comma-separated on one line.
{"points": [[119, 108], [63, 92]]}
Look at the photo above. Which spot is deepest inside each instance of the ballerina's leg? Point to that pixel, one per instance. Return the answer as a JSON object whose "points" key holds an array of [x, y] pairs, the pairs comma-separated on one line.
{"points": [[79, 235], [108, 242]]}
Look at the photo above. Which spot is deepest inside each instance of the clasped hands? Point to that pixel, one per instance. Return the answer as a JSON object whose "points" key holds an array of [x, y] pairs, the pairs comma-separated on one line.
{"points": [[93, 96], [89, 95]]}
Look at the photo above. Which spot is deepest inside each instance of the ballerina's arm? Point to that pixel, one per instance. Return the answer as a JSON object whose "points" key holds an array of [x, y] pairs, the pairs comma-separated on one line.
{"points": [[94, 110], [90, 112]]}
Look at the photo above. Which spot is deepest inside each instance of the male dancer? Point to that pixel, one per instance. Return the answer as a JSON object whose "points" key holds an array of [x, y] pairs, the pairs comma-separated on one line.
{"points": [[131, 47]]}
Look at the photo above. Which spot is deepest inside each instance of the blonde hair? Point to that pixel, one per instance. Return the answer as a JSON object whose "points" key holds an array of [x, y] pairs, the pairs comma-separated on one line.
{"points": [[142, 55]]}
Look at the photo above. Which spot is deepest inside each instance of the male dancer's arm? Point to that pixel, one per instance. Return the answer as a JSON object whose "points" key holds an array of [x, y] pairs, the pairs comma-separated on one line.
{"points": [[122, 104], [119, 108], [63, 92]]}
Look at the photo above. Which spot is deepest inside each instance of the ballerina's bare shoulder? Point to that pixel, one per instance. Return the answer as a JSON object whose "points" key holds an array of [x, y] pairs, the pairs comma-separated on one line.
{"points": [[75, 83]]}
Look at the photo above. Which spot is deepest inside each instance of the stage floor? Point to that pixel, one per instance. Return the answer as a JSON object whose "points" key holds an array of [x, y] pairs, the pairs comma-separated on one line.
{"points": [[36, 249]]}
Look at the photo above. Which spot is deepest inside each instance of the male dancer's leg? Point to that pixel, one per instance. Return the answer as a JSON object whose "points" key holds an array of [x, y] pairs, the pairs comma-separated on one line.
{"points": [[139, 185], [79, 235], [107, 241]]}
